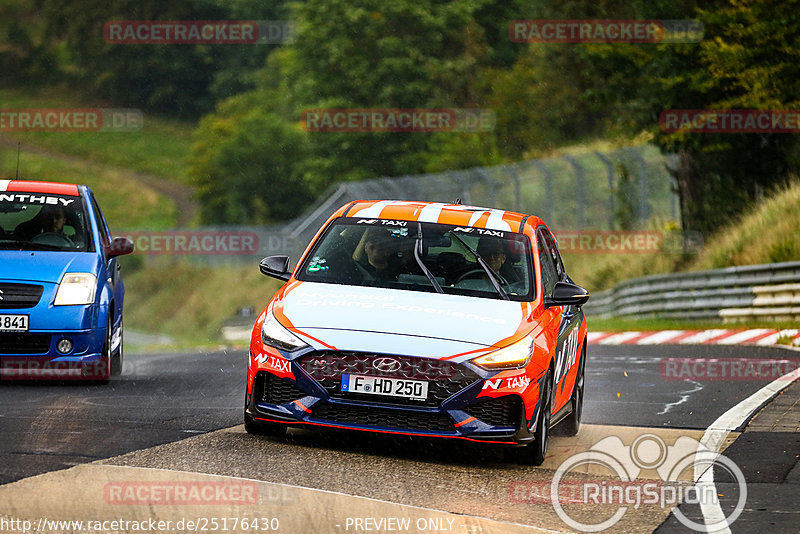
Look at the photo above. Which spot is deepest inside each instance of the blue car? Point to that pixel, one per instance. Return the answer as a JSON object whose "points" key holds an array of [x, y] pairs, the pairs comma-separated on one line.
{"points": [[61, 293]]}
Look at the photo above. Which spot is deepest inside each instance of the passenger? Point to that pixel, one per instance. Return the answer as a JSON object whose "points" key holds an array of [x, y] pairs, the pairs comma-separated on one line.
{"points": [[492, 251]]}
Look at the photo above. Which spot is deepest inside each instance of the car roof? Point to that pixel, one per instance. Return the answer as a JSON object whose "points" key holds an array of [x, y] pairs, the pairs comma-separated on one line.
{"points": [[457, 214], [52, 188]]}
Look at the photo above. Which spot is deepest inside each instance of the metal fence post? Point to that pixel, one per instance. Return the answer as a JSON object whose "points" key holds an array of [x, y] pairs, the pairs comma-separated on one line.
{"points": [[548, 189], [515, 177], [580, 197], [611, 200], [644, 211]]}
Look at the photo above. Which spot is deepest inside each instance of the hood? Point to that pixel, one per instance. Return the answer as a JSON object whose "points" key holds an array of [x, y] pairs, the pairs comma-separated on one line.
{"points": [[44, 266], [342, 316]]}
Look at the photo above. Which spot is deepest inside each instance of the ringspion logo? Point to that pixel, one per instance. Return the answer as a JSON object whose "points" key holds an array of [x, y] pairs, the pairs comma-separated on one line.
{"points": [[677, 467]]}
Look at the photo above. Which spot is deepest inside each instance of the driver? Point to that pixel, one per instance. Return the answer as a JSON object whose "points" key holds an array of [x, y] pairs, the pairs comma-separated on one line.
{"points": [[377, 255], [53, 219]]}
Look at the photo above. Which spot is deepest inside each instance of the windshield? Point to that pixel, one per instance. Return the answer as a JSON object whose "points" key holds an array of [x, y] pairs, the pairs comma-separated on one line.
{"points": [[422, 257], [43, 222]]}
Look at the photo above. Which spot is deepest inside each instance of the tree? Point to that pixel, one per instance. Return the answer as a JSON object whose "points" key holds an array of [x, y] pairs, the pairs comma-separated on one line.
{"points": [[181, 80], [245, 164], [748, 58], [373, 54]]}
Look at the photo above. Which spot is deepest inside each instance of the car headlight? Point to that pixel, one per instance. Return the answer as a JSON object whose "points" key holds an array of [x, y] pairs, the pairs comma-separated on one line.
{"points": [[76, 288], [511, 357], [275, 334]]}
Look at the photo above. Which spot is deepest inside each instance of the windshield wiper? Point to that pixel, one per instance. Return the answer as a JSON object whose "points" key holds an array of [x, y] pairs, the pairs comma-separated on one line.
{"points": [[493, 276], [418, 257]]}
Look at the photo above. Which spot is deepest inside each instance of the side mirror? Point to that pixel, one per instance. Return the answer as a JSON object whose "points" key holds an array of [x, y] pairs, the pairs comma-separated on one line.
{"points": [[276, 267], [566, 294], [120, 246]]}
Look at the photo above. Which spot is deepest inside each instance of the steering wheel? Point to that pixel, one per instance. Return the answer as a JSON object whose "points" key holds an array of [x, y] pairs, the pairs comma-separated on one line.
{"points": [[480, 272], [363, 271], [53, 238], [474, 273]]}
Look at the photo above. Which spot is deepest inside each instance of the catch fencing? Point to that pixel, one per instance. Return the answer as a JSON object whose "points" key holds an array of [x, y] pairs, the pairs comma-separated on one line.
{"points": [[592, 190]]}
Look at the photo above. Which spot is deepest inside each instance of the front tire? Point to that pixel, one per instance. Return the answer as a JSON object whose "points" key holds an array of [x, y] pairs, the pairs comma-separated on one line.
{"points": [[101, 372], [116, 358], [572, 424], [535, 453]]}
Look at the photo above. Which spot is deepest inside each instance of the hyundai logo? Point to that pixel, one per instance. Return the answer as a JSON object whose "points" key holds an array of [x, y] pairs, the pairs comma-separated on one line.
{"points": [[387, 365]]}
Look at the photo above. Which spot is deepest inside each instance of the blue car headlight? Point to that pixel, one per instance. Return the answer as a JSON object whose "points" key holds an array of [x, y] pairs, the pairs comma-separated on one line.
{"points": [[76, 288]]}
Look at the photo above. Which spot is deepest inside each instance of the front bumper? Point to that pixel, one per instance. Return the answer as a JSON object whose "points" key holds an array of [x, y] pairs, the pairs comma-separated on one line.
{"points": [[298, 392]]}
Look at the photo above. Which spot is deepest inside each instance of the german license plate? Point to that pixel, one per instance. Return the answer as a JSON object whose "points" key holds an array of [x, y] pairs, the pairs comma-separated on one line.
{"points": [[392, 387], [13, 323]]}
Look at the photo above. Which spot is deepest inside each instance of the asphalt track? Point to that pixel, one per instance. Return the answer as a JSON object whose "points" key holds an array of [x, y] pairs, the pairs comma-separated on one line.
{"points": [[313, 480]]}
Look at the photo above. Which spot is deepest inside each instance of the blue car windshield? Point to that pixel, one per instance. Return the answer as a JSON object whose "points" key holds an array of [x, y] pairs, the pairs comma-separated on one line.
{"points": [[33, 221], [423, 257]]}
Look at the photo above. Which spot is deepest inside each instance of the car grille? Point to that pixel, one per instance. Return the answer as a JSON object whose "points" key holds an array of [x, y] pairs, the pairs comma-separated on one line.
{"points": [[13, 296], [275, 390], [382, 417], [503, 411], [24, 343], [444, 378]]}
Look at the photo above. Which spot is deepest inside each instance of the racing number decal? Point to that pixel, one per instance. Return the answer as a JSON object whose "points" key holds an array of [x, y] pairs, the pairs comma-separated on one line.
{"points": [[565, 356]]}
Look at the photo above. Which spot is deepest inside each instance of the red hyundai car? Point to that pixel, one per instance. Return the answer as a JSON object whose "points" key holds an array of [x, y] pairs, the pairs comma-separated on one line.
{"points": [[427, 319]]}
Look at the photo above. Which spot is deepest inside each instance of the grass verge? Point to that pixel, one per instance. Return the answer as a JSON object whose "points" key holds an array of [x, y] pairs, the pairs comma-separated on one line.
{"points": [[766, 233], [190, 302], [159, 148], [125, 202]]}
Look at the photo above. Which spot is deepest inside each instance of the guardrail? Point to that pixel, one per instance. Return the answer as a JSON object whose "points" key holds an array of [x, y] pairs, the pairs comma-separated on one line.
{"points": [[769, 291]]}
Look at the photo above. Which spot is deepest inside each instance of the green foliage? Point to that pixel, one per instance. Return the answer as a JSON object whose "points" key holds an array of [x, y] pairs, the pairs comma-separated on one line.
{"points": [[371, 54], [748, 59], [625, 192], [363, 54], [245, 163], [449, 150], [159, 148], [180, 80]]}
